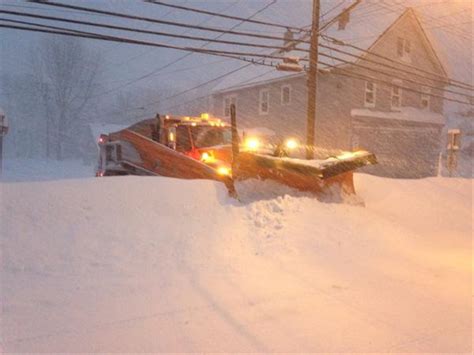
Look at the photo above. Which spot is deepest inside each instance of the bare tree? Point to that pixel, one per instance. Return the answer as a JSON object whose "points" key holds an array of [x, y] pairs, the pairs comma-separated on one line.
{"points": [[67, 74]]}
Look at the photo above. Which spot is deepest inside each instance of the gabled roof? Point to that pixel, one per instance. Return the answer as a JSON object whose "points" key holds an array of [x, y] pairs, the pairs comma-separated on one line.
{"points": [[410, 12]]}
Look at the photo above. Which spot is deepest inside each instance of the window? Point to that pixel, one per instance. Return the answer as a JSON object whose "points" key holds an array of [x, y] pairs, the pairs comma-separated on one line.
{"points": [[370, 94], [264, 102], [396, 98], [229, 100], [183, 142], [403, 48], [205, 136], [285, 94], [454, 139], [425, 97]]}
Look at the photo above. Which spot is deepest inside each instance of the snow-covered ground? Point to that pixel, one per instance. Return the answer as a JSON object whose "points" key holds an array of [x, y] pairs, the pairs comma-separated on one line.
{"points": [[144, 264]]}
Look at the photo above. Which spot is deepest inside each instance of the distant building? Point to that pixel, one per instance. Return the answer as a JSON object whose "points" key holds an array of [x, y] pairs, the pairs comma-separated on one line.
{"points": [[402, 127]]}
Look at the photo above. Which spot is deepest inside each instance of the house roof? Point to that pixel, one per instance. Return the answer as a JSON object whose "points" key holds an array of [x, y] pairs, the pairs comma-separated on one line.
{"points": [[365, 28]]}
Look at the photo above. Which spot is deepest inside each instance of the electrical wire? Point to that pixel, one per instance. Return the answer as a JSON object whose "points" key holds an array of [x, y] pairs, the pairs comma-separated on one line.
{"points": [[158, 70], [153, 20], [195, 10], [86, 34], [377, 80], [452, 82], [191, 37], [136, 30], [113, 38]]}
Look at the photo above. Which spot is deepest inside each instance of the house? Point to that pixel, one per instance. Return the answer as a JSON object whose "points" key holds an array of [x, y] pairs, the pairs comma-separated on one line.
{"points": [[361, 104]]}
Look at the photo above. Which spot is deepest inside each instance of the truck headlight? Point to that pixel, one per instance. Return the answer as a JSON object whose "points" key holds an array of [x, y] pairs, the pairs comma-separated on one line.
{"points": [[223, 170], [291, 143], [252, 143]]}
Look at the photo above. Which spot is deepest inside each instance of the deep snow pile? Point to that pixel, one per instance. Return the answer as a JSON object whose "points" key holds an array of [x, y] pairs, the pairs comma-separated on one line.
{"points": [[136, 264]]}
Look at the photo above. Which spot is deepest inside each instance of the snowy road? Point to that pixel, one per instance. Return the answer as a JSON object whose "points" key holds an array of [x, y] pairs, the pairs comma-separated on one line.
{"points": [[153, 264]]}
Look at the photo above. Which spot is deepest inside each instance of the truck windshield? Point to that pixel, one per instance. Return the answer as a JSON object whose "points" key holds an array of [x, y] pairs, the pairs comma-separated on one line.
{"points": [[208, 136]]}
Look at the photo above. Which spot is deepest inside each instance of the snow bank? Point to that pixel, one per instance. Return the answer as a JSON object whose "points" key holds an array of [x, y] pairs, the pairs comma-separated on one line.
{"points": [[136, 264]]}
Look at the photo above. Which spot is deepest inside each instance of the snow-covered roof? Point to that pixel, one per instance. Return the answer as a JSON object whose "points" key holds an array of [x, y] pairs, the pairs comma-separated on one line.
{"points": [[405, 114]]}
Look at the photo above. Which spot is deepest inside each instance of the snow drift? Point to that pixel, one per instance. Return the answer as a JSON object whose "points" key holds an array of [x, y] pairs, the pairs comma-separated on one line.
{"points": [[133, 264]]}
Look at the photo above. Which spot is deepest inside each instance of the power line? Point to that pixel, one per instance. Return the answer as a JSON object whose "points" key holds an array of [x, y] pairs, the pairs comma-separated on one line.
{"points": [[85, 34], [264, 46], [40, 8], [222, 34], [335, 18], [233, 53], [332, 9], [156, 71], [377, 80], [209, 95], [336, 72], [383, 4], [192, 37], [455, 25], [164, 22], [392, 76], [148, 26], [232, 72], [387, 66], [195, 10], [136, 30], [220, 77], [191, 53], [450, 81]]}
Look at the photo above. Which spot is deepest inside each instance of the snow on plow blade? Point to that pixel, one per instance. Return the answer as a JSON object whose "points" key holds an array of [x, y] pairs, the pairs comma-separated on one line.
{"points": [[317, 176]]}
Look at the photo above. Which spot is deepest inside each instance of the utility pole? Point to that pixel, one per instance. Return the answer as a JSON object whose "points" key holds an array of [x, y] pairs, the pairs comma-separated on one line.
{"points": [[312, 82]]}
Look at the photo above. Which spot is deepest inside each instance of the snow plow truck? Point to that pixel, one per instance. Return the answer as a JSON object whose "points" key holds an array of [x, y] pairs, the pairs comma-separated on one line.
{"points": [[208, 148]]}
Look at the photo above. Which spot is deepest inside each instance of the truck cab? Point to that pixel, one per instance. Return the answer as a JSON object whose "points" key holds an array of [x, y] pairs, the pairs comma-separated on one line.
{"points": [[205, 139]]}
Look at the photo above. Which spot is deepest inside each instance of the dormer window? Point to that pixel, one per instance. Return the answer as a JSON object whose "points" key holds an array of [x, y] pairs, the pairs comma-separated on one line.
{"points": [[403, 48]]}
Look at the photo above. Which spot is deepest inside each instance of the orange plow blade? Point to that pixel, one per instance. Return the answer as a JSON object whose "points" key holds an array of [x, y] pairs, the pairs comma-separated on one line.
{"points": [[320, 177]]}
